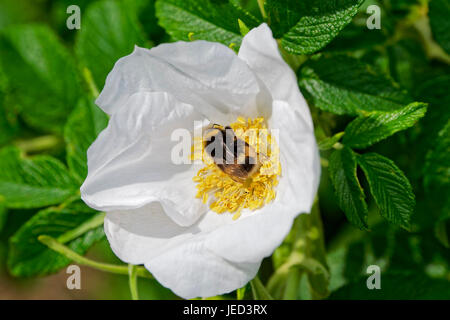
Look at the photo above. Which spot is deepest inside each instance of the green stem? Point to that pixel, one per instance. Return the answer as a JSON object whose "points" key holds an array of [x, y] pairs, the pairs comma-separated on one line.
{"points": [[259, 291], [240, 293], [38, 144], [132, 280], [72, 255], [262, 9], [292, 284], [90, 82], [92, 223]]}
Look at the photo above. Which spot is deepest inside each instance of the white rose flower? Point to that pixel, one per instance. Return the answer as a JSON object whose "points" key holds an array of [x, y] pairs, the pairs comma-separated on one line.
{"points": [[165, 215]]}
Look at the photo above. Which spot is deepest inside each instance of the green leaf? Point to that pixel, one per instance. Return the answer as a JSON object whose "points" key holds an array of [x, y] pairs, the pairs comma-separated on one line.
{"points": [[259, 291], [394, 286], [439, 11], [344, 85], [307, 26], [3, 214], [32, 183], [329, 142], [28, 257], [350, 195], [356, 37], [365, 131], [212, 20], [8, 122], [389, 187], [437, 165], [109, 31], [41, 74], [84, 125], [442, 231]]}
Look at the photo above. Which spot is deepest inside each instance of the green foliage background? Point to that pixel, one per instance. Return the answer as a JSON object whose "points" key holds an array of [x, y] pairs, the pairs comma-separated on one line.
{"points": [[380, 102]]}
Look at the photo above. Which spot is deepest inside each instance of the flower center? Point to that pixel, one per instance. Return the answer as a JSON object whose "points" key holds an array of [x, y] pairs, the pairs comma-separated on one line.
{"points": [[245, 173]]}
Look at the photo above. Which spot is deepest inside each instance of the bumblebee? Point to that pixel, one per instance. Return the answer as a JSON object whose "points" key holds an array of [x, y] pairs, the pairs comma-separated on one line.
{"points": [[237, 158]]}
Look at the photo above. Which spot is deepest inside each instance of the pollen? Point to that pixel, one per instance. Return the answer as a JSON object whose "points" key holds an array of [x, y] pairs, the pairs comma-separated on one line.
{"points": [[226, 195]]}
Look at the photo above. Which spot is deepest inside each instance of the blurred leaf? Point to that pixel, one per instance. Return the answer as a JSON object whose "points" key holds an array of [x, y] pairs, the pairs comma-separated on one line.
{"points": [[32, 183], [437, 181], [407, 63], [439, 11], [311, 232], [307, 26], [437, 165], [84, 125], [350, 195], [355, 37], [435, 92], [20, 11], [328, 143], [414, 286], [365, 131], [147, 16], [390, 188], [301, 257], [259, 291], [212, 20], [3, 214], [8, 123], [442, 231], [240, 293], [109, 31], [41, 75], [28, 257], [344, 85]]}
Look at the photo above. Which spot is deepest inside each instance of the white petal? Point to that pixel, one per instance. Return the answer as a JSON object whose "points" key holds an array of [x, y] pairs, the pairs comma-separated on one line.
{"points": [[259, 234], [191, 270], [260, 50], [204, 74], [130, 165], [139, 235], [176, 255]]}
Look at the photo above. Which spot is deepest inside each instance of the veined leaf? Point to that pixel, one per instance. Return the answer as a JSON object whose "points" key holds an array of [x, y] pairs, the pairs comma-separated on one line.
{"points": [[109, 31], [349, 193], [439, 11], [32, 183], [84, 125], [41, 75], [28, 257], [307, 26], [345, 85], [212, 20], [365, 131], [389, 187]]}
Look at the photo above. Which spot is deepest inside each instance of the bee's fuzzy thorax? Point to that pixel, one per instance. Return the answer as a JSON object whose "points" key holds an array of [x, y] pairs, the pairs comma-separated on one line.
{"points": [[234, 187]]}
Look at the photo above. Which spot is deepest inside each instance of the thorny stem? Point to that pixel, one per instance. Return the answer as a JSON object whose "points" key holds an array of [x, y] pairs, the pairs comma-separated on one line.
{"points": [[72, 255]]}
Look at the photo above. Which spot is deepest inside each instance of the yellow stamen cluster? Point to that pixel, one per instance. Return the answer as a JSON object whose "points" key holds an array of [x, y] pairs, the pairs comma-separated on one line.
{"points": [[228, 195]]}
